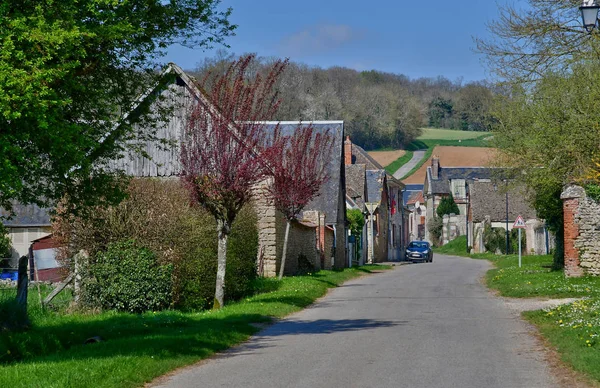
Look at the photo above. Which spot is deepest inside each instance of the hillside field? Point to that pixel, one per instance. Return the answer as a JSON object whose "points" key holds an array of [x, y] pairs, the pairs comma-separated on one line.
{"points": [[385, 158], [448, 134], [454, 157]]}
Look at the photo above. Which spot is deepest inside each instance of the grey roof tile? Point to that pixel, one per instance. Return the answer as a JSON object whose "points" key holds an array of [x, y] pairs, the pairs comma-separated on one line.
{"points": [[326, 203], [491, 202], [25, 216]]}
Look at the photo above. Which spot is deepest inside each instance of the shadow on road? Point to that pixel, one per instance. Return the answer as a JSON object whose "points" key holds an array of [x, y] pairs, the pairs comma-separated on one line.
{"points": [[326, 326]]}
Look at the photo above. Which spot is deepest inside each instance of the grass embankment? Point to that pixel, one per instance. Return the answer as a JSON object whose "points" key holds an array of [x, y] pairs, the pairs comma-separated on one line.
{"points": [[573, 329], [401, 161], [138, 348]]}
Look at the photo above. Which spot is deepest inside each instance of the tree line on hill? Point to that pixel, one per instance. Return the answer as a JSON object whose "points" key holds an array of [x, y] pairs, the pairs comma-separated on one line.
{"points": [[379, 109]]}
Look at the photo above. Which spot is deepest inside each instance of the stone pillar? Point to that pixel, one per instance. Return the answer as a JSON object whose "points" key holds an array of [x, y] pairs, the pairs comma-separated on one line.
{"points": [[267, 231], [571, 197]]}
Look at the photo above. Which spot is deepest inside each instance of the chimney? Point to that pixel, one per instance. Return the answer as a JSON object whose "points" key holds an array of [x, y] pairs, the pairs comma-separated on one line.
{"points": [[348, 150], [435, 167]]}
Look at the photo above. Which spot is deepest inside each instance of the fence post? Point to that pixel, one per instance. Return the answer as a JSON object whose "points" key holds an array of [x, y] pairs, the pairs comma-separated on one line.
{"points": [[22, 286]]}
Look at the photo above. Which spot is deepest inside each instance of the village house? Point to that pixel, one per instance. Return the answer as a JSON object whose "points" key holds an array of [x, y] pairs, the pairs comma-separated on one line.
{"points": [[317, 239], [482, 198], [382, 187], [488, 202], [416, 216], [356, 195], [27, 226], [441, 182]]}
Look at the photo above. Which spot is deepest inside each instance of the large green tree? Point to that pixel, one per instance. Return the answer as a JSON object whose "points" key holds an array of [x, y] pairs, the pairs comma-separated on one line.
{"points": [[70, 73], [547, 120]]}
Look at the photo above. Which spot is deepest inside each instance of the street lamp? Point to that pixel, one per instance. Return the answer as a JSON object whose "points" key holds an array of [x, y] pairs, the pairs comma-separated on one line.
{"points": [[589, 14]]}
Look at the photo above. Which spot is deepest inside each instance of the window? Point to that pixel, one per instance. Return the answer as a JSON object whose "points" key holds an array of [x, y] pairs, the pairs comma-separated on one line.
{"points": [[18, 235]]}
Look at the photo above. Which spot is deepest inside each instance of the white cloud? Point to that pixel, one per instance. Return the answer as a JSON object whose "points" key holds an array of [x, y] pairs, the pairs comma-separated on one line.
{"points": [[319, 38]]}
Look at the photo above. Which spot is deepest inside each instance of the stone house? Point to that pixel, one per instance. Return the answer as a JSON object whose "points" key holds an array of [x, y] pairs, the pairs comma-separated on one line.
{"points": [[397, 217], [29, 223], [441, 181], [356, 195], [378, 207], [416, 216], [319, 235], [487, 205]]}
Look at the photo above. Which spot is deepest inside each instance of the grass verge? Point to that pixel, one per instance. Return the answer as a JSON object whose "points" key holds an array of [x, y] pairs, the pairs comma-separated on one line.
{"points": [[401, 161], [572, 329], [418, 165], [138, 348]]}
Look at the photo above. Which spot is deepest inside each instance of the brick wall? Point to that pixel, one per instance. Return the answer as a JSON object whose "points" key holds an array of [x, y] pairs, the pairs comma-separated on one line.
{"points": [[582, 232]]}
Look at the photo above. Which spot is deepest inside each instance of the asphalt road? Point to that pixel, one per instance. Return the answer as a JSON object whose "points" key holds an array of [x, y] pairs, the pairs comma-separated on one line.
{"points": [[421, 325], [417, 157]]}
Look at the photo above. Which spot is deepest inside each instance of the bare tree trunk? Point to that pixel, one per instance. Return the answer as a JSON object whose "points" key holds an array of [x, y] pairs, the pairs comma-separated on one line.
{"points": [[285, 244], [221, 265]]}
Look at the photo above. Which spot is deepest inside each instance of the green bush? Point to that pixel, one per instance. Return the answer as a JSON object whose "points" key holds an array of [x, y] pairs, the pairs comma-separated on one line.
{"points": [[435, 227], [5, 243], [127, 277], [157, 214], [196, 273], [447, 206], [494, 239]]}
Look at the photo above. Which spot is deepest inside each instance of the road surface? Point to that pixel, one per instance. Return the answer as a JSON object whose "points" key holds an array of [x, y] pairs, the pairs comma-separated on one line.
{"points": [[419, 325], [417, 157]]}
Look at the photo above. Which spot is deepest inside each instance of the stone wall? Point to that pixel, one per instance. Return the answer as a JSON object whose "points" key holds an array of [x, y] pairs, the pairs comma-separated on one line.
{"points": [[450, 228], [582, 232], [267, 232], [301, 241]]}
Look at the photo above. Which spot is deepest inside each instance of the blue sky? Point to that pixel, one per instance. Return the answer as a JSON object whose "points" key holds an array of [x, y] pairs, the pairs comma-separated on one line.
{"points": [[417, 38]]}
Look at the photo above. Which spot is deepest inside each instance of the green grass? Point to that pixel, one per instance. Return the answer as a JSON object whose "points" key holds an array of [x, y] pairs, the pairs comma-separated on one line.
{"points": [[401, 161], [138, 348], [432, 143], [448, 134], [573, 329]]}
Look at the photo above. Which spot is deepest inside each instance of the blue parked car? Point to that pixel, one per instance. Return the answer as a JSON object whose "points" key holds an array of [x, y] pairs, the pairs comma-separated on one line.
{"points": [[419, 251]]}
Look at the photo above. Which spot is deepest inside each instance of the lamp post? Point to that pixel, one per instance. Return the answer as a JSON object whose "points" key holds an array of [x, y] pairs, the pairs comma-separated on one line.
{"points": [[589, 14]]}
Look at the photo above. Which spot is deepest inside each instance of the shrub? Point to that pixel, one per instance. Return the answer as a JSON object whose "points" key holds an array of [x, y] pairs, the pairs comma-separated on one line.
{"points": [[447, 206], [494, 239], [435, 229], [127, 277], [157, 214], [5, 244]]}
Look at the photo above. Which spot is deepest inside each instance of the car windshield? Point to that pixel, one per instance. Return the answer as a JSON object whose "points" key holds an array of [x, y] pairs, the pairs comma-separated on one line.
{"points": [[417, 244]]}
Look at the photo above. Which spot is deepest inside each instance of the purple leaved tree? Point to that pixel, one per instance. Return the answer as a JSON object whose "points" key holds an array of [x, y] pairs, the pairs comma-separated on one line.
{"points": [[222, 153], [299, 168]]}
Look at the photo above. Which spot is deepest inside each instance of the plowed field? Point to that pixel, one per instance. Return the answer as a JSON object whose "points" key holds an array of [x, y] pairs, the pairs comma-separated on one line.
{"points": [[455, 157], [386, 158]]}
